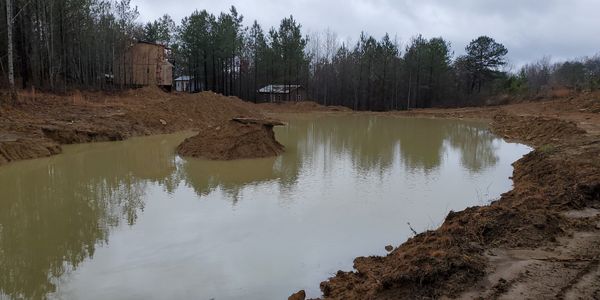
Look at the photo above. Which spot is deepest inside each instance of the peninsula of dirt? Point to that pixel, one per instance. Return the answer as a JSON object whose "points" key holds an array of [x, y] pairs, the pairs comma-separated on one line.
{"points": [[238, 138], [41, 123]]}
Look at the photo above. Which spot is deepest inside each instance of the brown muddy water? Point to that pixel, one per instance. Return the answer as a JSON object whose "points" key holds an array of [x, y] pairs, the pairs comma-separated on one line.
{"points": [[131, 220]]}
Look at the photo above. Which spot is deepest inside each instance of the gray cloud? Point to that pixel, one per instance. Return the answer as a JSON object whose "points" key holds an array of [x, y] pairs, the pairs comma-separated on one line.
{"points": [[530, 29]]}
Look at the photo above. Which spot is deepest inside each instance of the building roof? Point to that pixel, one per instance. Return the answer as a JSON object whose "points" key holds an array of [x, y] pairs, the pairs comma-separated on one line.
{"points": [[279, 88], [184, 78], [153, 44]]}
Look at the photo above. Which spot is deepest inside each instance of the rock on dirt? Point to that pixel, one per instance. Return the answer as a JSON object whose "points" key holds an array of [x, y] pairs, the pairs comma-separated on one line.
{"points": [[239, 138]]}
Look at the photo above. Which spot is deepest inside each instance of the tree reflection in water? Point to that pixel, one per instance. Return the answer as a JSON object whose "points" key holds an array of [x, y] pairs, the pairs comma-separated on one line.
{"points": [[54, 212], [373, 144]]}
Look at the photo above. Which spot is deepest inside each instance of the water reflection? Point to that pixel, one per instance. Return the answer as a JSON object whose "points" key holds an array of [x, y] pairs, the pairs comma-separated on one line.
{"points": [[56, 212], [373, 144], [207, 176], [477, 145]]}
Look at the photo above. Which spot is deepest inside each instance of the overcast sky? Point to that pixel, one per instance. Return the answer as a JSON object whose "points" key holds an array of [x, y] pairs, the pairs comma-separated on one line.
{"points": [[530, 29]]}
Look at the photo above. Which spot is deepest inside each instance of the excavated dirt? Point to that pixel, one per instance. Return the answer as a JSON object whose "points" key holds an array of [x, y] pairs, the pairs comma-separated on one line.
{"points": [[40, 123], [235, 139], [539, 241], [535, 130]]}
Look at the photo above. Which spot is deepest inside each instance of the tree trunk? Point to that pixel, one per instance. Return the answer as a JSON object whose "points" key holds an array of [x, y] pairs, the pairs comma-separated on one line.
{"points": [[255, 75], [11, 68], [409, 90]]}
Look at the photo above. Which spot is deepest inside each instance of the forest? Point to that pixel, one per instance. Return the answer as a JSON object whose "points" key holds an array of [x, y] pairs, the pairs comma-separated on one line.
{"points": [[61, 45]]}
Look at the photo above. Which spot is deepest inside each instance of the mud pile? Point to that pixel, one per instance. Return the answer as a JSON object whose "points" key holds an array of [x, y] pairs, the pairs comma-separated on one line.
{"points": [[535, 130], [26, 148], [40, 123], [238, 138], [446, 261], [148, 92]]}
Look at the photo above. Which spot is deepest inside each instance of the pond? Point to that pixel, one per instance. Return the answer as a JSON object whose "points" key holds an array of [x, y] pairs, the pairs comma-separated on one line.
{"points": [[132, 220]]}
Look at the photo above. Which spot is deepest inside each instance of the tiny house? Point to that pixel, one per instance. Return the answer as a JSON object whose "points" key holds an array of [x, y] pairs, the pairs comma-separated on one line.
{"points": [[144, 64], [282, 92], [187, 84]]}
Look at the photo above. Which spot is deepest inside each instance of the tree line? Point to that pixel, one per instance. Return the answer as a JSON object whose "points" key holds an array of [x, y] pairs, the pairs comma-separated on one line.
{"points": [[224, 56], [64, 44], [539, 77], [73, 44]]}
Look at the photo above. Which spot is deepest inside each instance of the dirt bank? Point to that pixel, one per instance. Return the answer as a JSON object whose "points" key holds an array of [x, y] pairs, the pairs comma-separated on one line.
{"points": [[300, 107], [238, 138], [42, 122], [540, 240]]}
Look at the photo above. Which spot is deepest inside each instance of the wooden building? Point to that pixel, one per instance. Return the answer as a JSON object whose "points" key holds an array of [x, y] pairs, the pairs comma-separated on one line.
{"points": [[188, 84], [282, 92], [144, 64]]}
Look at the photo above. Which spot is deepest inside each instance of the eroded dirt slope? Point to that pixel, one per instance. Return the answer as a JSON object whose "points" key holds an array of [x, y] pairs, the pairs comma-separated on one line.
{"points": [[235, 139], [41, 123]]}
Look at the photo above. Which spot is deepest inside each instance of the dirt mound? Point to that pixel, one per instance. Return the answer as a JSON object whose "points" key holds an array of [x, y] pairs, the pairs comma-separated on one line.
{"points": [[445, 261], [233, 140], [44, 121], [534, 130], [424, 266], [26, 148], [148, 92]]}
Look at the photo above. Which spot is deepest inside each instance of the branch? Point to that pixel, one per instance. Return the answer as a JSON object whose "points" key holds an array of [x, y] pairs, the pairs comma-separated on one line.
{"points": [[20, 11]]}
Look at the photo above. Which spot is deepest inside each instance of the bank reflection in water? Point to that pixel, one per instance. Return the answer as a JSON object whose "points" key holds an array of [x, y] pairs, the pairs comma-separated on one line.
{"points": [[376, 143], [477, 145], [372, 144], [56, 212]]}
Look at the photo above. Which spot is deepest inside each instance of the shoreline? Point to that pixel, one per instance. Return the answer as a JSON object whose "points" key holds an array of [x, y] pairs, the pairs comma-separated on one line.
{"points": [[41, 124], [548, 224]]}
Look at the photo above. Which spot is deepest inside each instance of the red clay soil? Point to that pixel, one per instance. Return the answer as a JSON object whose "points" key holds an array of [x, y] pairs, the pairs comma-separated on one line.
{"points": [[40, 123], [300, 107], [539, 241], [233, 139]]}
